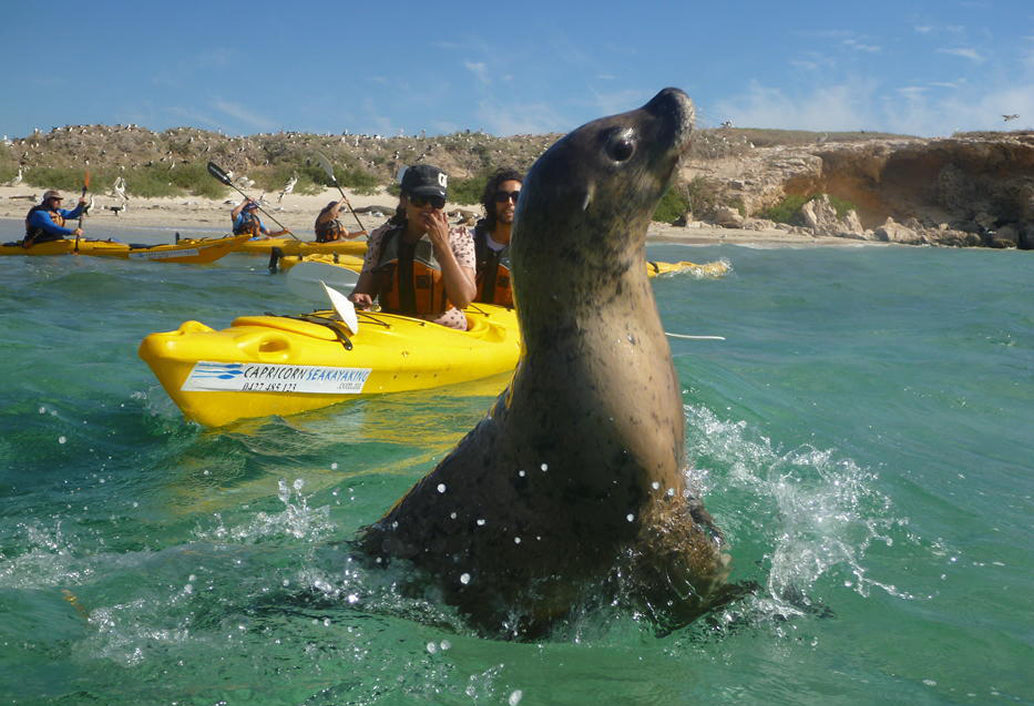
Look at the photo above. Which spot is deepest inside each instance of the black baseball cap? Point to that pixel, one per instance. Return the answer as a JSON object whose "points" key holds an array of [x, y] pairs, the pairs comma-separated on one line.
{"points": [[424, 180]]}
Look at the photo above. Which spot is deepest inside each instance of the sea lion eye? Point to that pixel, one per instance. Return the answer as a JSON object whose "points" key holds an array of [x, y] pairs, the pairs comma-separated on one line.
{"points": [[621, 145]]}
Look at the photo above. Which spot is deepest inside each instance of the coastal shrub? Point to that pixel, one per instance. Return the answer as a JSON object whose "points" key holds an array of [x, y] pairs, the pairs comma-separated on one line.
{"points": [[789, 209], [467, 191], [786, 211], [674, 204], [842, 206], [705, 196]]}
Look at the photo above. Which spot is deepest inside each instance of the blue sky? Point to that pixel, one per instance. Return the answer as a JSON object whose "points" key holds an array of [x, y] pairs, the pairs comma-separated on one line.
{"points": [[922, 67]]}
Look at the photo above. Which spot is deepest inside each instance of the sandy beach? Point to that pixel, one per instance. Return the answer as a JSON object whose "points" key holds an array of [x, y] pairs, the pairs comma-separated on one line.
{"points": [[190, 214]]}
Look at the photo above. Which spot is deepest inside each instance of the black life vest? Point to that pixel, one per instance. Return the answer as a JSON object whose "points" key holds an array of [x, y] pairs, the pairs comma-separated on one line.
{"points": [[329, 230], [409, 277], [493, 271]]}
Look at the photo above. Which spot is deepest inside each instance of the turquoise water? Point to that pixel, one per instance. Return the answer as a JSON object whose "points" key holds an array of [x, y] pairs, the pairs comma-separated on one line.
{"points": [[863, 437]]}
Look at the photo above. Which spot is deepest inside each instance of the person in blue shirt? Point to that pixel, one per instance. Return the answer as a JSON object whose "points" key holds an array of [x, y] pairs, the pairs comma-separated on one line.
{"points": [[46, 221], [246, 221]]}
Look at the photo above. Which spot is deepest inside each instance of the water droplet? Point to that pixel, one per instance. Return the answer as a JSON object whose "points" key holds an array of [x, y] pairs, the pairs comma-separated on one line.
{"points": [[42, 410], [544, 467], [630, 517], [61, 439], [515, 697], [333, 466], [516, 540], [432, 648], [445, 644], [452, 516], [481, 522], [352, 598], [521, 473], [464, 579], [298, 483], [441, 487], [655, 485]]}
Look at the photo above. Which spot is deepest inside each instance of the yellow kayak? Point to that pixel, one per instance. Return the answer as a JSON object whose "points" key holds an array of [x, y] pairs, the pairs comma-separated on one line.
{"points": [[187, 250], [265, 365], [290, 246], [710, 270], [715, 269]]}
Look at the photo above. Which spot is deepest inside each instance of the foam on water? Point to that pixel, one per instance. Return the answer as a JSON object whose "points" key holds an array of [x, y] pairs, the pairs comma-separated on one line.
{"points": [[801, 513]]}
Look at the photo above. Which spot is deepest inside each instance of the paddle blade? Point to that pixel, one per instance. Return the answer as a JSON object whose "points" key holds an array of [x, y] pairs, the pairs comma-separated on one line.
{"points": [[326, 166], [305, 278], [344, 308], [215, 170], [86, 182]]}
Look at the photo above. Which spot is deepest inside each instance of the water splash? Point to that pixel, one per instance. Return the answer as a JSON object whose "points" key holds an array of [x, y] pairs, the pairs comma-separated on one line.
{"points": [[297, 520], [803, 514]]}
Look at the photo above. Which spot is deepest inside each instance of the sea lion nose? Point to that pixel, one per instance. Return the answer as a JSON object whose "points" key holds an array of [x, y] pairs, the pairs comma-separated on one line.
{"points": [[672, 101]]}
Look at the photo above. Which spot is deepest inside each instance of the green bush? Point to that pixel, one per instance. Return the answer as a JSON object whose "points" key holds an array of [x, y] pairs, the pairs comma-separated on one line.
{"points": [[467, 191], [673, 205], [787, 211]]}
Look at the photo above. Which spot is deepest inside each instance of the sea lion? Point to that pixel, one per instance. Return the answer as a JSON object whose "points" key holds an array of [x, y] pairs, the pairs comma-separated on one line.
{"points": [[572, 487]]}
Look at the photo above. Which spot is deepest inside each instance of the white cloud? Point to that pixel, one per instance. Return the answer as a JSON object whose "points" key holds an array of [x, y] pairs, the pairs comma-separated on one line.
{"points": [[868, 105], [480, 71], [963, 52]]}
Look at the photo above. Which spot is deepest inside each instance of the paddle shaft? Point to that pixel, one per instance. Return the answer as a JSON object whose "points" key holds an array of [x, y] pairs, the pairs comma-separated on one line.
{"points": [[325, 163], [86, 185], [216, 171]]}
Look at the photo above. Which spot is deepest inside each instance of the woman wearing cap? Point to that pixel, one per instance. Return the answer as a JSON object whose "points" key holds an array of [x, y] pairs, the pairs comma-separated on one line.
{"points": [[46, 221], [246, 220], [415, 263]]}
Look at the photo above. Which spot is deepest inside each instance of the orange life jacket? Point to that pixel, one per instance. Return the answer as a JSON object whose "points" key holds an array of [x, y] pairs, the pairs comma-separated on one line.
{"points": [[410, 278], [493, 272]]}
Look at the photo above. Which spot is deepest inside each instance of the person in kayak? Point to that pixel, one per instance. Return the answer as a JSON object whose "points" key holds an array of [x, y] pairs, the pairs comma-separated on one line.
{"points": [[46, 221], [492, 237], [328, 225], [415, 263], [246, 221]]}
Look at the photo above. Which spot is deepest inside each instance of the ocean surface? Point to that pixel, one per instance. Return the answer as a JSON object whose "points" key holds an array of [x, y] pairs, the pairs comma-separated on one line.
{"points": [[864, 436]]}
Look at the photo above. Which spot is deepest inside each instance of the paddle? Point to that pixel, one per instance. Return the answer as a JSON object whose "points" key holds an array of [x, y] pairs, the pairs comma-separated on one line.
{"points": [[304, 279], [344, 308], [695, 338], [215, 170], [329, 169], [86, 185]]}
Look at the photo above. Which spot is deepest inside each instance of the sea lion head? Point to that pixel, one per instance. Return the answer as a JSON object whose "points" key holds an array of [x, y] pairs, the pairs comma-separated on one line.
{"points": [[601, 182]]}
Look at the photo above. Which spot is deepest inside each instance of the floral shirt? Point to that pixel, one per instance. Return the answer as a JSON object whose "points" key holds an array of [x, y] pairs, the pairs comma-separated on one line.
{"points": [[462, 245]]}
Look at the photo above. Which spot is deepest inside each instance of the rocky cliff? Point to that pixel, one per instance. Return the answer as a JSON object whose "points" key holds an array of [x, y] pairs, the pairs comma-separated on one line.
{"points": [[970, 189]]}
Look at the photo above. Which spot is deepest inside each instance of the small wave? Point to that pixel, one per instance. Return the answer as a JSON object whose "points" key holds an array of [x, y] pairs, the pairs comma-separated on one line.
{"points": [[797, 515]]}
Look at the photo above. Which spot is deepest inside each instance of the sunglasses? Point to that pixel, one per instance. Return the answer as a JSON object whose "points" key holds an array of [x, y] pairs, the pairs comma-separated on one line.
{"points": [[504, 196], [421, 201]]}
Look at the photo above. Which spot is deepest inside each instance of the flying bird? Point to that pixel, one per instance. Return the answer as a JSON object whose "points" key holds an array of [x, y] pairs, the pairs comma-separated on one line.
{"points": [[1011, 116]]}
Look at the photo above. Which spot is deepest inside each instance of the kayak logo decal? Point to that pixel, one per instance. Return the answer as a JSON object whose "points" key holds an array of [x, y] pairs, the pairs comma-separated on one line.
{"points": [[208, 376]]}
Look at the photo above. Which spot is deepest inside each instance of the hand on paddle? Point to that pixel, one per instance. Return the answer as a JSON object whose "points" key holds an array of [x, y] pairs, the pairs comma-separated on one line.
{"points": [[361, 300]]}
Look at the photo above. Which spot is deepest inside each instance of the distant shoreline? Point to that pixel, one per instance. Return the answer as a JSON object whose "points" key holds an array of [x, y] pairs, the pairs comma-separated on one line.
{"points": [[190, 214]]}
